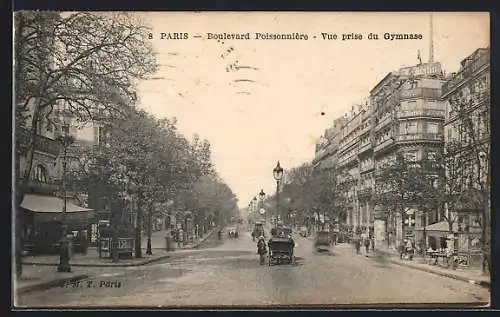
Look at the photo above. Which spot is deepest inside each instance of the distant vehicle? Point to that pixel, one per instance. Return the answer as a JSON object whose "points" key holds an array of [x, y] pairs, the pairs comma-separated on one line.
{"points": [[303, 231], [232, 232], [323, 241], [258, 230]]}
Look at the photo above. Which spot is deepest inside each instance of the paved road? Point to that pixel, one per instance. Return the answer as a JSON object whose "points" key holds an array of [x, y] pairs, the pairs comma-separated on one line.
{"points": [[229, 274]]}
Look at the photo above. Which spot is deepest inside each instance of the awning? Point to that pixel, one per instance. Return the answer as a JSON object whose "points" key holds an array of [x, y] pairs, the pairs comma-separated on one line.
{"points": [[49, 204], [442, 226]]}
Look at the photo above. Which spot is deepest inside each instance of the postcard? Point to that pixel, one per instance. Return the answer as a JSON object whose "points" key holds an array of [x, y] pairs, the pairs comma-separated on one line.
{"points": [[251, 159]]}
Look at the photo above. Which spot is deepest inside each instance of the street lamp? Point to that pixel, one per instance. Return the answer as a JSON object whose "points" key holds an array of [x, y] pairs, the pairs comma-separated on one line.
{"points": [[278, 174], [262, 195], [65, 140]]}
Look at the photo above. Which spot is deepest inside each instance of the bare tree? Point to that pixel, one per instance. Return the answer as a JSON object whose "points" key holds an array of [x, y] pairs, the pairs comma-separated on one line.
{"points": [[86, 61], [472, 107]]}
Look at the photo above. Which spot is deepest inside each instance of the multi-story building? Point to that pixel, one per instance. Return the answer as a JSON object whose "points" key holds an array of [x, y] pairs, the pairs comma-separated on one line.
{"points": [[38, 151], [409, 117], [326, 153], [349, 164], [366, 179], [467, 98]]}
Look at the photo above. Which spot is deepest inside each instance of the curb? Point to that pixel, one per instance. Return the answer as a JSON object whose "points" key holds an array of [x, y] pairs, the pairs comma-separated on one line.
{"points": [[142, 263], [50, 284], [485, 284]]}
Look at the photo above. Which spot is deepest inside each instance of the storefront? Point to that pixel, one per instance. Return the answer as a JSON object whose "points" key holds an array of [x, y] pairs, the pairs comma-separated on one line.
{"points": [[43, 218]]}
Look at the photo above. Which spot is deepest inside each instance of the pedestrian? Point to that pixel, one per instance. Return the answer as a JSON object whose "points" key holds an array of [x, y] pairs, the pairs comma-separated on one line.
{"points": [[261, 250], [402, 249], [367, 246], [357, 244]]}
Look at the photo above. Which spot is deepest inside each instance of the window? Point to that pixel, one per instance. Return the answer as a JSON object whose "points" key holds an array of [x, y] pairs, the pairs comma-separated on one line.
{"points": [[65, 129], [432, 127], [411, 127], [449, 135], [412, 105], [40, 174], [411, 156], [50, 127], [431, 156]]}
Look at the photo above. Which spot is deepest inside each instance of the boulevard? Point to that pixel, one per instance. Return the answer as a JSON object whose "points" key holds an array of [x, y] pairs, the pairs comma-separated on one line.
{"points": [[229, 274]]}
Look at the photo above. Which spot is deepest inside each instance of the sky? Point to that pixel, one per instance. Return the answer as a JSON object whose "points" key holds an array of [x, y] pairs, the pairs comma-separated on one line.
{"points": [[292, 90]]}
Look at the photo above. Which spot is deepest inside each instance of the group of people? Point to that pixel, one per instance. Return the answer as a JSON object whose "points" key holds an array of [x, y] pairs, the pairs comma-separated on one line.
{"points": [[407, 249], [364, 243]]}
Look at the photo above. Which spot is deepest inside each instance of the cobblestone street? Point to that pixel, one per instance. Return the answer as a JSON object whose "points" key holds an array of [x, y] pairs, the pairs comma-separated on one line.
{"points": [[207, 276]]}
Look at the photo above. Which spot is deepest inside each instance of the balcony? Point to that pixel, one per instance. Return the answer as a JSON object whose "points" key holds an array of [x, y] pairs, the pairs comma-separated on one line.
{"points": [[42, 143], [420, 137], [38, 187], [421, 93], [364, 147], [465, 73], [383, 122], [430, 113], [367, 167], [383, 144], [364, 193]]}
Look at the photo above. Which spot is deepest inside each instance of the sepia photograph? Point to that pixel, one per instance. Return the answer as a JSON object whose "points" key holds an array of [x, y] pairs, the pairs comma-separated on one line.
{"points": [[251, 159]]}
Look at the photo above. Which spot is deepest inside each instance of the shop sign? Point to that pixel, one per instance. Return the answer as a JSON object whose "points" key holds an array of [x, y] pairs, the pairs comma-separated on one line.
{"points": [[420, 70]]}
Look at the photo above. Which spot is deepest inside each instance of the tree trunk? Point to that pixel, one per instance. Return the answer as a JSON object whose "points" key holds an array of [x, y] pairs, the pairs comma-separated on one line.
{"points": [[138, 227], [149, 250], [425, 233], [485, 237]]}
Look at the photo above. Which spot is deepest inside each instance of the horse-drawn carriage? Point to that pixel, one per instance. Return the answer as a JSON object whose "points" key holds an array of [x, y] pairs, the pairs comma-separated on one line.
{"points": [[281, 251]]}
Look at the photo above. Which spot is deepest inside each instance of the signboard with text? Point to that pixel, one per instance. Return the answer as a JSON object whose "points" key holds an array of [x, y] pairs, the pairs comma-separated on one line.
{"points": [[420, 70]]}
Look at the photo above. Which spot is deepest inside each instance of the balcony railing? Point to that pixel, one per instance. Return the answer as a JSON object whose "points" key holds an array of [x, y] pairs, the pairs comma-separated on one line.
{"points": [[384, 121], [365, 192], [421, 92], [383, 144], [48, 187], [420, 136], [432, 113], [364, 147], [367, 167], [42, 143], [465, 73]]}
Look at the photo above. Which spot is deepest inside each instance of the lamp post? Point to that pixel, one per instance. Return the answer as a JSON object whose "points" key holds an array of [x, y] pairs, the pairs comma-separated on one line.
{"points": [[278, 174], [262, 195], [65, 140]]}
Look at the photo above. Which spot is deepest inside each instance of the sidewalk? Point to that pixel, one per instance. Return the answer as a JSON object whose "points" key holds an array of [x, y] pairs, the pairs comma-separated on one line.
{"points": [[158, 241], [472, 276], [36, 278], [39, 272], [91, 259]]}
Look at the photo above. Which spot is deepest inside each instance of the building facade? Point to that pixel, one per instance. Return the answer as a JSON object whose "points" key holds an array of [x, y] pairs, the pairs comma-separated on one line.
{"points": [[467, 139], [409, 118], [349, 165], [403, 114]]}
